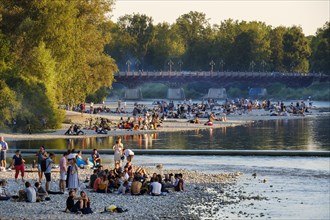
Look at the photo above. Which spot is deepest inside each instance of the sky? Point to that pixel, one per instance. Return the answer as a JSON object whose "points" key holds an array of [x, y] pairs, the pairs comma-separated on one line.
{"points": [[309, 14]]}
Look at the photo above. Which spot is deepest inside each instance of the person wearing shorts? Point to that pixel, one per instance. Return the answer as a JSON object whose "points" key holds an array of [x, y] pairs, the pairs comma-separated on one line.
{"points": [[3, 150], [41, 155], [48, 171], [63, 171]]}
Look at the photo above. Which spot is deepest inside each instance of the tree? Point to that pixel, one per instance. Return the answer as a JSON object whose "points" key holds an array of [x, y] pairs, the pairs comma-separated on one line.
{"points": [[58, 50], [320, 44], [277, 52], [166, 45], [296, 50]]}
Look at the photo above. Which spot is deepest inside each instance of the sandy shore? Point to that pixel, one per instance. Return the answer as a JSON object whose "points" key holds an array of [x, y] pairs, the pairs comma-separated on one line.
{"points": [[169, 125], [200, 189]]}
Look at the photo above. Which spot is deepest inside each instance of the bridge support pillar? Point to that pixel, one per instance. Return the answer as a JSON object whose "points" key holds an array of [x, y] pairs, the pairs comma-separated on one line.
{"points": [[135, 94], [175, 93], [217, 93]]}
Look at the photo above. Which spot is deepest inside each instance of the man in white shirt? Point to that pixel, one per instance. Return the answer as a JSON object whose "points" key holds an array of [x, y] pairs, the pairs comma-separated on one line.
{"points": [[31, 194], [129, 154], [156, 188]]}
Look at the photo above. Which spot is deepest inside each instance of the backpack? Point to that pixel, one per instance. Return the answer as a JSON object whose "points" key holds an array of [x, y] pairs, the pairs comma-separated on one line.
{"points": [[43, 165]]}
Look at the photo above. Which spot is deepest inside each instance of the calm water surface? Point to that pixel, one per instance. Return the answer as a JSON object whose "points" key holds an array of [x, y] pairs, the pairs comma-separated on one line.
{"points": [[285, 134]]}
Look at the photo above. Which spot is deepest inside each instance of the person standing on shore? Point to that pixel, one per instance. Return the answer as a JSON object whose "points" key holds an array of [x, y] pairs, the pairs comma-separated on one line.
{"points": [[41, 155], [73, 183], [63, 170], [18, 164], [118, 151], [4, 148], [48, 170]]}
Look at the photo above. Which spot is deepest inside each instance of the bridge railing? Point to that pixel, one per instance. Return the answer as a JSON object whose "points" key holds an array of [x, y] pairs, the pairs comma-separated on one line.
{"points": [[217, 74]]}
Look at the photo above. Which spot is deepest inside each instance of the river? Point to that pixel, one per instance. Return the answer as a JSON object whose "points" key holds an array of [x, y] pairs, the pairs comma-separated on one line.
{"points": [[295, 187]]}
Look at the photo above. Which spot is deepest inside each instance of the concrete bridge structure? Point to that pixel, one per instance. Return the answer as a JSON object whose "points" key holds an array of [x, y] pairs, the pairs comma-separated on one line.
{"points": [[217, 80]]}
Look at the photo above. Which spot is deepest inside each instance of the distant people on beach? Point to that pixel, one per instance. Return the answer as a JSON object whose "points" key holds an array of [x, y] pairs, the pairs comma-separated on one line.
{"points": [[3, 153], [74, 130]]}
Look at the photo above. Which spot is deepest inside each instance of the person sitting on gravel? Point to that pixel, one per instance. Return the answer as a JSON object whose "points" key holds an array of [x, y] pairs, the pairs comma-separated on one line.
{"points": [[179, 183], [129, 169], [70, 206], [77, 130], [40, 192], [97, 183], [31, 195], [155, 187], [69, 131], [123, 189], [103, 185], [96, 158], [92, 179], [84, 203], [136, 187], [3, 191]]}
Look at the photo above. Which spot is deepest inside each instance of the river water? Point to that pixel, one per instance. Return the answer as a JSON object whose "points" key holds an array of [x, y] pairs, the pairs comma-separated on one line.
{"points": [[287, 134], [295, 187]]}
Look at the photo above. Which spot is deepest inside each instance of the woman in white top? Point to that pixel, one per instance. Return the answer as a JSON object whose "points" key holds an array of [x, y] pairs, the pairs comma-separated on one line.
{"points": [[118, 151]]}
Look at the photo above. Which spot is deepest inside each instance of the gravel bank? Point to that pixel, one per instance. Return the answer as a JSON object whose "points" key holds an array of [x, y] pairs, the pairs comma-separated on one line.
{"points": [[201, 189]]}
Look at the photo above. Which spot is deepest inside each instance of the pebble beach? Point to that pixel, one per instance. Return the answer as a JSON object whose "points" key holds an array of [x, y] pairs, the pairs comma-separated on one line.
{"points": [[200, 189]]}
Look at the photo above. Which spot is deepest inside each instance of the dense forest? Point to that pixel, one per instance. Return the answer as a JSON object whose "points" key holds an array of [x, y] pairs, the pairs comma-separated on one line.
{"points": [[55, 53]]}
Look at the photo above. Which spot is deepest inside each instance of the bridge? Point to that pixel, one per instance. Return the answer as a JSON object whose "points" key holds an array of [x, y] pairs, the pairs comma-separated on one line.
{"points": [[175, 80]]}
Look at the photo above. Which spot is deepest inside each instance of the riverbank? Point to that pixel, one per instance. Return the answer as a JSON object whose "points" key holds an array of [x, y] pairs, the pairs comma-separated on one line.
{"points": [[169, 125], [264, 188], [201, 188]]}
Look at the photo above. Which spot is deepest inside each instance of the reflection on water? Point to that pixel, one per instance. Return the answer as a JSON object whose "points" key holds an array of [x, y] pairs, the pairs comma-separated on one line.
{"points": [[284, 134]]}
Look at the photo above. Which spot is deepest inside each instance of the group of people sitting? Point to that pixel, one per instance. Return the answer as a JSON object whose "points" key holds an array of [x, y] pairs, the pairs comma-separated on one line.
{"points": [[127, 181], [147, 122], [74, 130], [30, 193]]}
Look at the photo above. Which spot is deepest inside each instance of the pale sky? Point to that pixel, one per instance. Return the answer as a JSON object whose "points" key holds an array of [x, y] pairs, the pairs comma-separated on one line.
{"points": [[309, 14]]}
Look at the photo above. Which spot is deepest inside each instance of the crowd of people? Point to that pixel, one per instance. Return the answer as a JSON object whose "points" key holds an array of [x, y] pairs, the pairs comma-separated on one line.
{"points": [[123, 178]]}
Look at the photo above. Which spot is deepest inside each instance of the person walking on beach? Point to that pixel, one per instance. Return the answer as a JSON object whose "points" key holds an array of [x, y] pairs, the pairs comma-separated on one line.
{"points": [[41, 155], [18, 164], [4, 148], [63, 170], [118, 151]]}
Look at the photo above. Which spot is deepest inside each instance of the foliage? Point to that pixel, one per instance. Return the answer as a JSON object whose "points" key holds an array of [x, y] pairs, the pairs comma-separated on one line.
{"points": [[56, 55], [154, 90], [191, 43], [99, 96], [321, 50]]}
